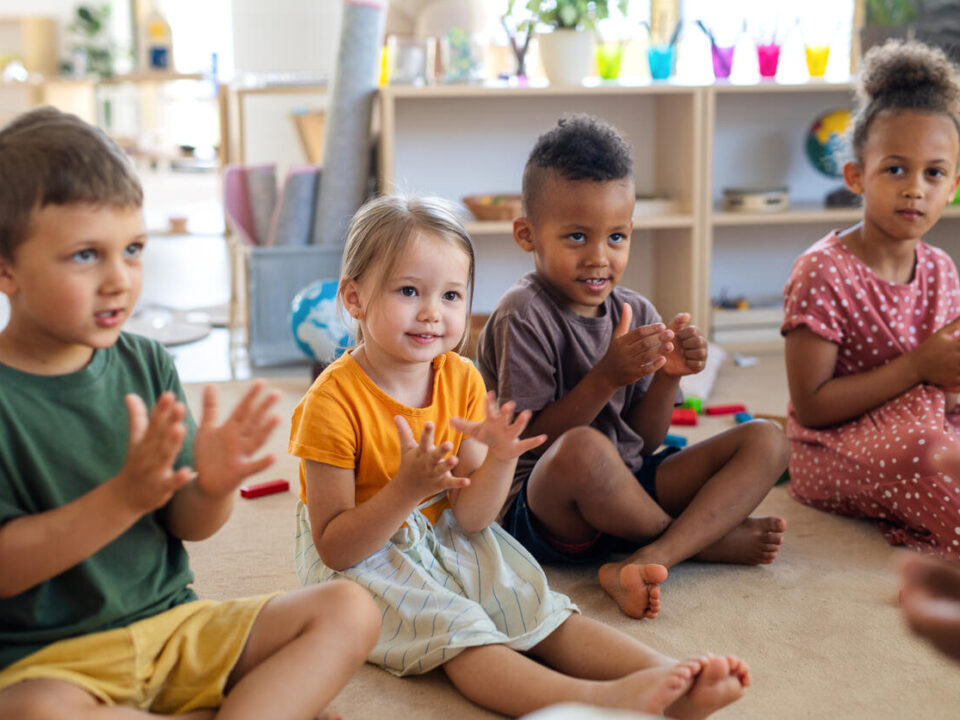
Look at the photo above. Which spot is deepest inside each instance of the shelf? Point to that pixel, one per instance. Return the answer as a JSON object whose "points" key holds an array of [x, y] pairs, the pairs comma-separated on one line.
{"points": [[798, 214], [652, 222], [774, 86], [150, 77], [534, 89]]}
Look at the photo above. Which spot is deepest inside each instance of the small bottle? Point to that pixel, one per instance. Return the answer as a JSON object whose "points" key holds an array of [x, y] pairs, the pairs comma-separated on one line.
{"points": [[157, 43]]}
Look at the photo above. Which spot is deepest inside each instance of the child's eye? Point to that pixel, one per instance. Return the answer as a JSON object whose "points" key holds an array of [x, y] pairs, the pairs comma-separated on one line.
{"points": [[408, 291], [617, 238], [133, 250], [577, 237], [936, 172], [84, 256], [451, 296], [894, 170]]}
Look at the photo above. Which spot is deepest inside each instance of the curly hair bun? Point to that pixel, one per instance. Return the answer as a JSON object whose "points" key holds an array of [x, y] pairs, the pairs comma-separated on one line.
{"points": [[908, 67]]}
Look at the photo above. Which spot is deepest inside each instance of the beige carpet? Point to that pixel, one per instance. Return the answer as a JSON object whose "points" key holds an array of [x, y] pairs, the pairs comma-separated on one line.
{"points": [[820, 627]]}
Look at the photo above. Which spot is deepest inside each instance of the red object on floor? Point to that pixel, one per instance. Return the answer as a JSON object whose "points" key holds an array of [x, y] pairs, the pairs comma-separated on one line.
{"points": [[264, 488], [725, 409], [683, 416]]}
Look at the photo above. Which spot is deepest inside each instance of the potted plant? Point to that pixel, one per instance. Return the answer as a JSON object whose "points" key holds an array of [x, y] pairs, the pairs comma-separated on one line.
{"points": [[567, 50], [886, 19]]}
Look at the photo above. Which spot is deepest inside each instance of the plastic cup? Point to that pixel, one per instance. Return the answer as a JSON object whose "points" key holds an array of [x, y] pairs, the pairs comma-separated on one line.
{"points": [[608, 56], [661, 59], [817, 56], [768, 57], [722, 56]]}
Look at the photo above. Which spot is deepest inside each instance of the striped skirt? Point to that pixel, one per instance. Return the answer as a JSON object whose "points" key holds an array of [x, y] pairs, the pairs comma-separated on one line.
{"points": [[442, 590]]}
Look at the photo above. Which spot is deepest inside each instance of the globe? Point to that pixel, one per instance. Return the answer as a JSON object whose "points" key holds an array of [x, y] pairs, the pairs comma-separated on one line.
{"points": [[315, 322], [828, 142]]}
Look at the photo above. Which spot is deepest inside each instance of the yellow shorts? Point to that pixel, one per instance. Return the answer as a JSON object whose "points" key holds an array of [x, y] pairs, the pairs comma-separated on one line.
{"points": [[174, 662]]}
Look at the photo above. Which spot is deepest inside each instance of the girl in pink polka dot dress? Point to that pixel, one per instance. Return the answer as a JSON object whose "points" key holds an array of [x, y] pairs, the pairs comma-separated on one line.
{"points": [[872, 319]]}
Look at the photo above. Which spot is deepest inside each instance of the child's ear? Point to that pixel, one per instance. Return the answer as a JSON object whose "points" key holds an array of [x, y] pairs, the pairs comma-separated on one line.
{"points": [[523, 233], [8, 285], [350, 296], [853, 177]]}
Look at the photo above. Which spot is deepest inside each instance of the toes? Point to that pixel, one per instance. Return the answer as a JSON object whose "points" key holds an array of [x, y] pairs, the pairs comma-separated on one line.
{"points": [[653, 573]]}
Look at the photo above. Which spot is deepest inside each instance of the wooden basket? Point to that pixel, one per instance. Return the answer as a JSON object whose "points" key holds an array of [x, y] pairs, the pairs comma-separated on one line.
{"points": [[494, 208]]}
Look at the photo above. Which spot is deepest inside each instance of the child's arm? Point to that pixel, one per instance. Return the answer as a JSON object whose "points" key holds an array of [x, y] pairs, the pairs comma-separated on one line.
{"points": [[488, 456], [819, 399], [632, 354], [35, 548], [345, 533], [651, 415], [221, 457]]}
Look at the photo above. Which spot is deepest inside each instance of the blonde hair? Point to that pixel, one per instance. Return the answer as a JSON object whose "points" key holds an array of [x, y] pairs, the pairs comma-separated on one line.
{"points": [[381, 230]]}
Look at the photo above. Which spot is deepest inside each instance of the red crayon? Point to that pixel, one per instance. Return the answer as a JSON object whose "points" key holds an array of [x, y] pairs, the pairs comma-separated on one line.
{"points": [[725, 409], [264, 488], [683, 416]]}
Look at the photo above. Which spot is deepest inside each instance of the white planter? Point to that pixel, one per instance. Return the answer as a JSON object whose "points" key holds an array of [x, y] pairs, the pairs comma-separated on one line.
{"points": [[566, 55]]}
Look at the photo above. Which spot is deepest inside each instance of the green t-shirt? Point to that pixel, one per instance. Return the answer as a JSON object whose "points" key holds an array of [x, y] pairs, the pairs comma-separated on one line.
{"points": [[60, 437]]}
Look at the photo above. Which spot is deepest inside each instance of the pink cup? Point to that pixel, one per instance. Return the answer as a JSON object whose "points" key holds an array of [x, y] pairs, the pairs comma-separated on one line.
{"points": [[768, 56]]}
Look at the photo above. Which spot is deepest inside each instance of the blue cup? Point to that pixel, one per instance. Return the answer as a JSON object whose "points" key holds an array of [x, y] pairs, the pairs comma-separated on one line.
{"points": [[661, 59]]}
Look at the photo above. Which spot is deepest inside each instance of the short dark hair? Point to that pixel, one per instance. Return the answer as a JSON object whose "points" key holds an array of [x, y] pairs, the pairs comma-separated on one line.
{"points": [[904, 76], [48, 157], [580, 147]]}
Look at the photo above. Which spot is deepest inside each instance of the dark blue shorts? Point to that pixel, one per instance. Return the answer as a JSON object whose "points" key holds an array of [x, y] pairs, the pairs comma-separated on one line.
{"points": [[524, 526]]}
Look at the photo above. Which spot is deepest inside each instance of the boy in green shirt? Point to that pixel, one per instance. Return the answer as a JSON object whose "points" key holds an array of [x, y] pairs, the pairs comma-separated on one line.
{"points": [[96, 616]]}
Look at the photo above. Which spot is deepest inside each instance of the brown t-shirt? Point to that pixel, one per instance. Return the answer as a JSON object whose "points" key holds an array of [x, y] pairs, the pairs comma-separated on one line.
{"points": [[534, 350]]}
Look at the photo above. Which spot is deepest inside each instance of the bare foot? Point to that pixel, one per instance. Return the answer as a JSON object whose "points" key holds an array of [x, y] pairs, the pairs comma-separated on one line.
{"points": [[634, 586], [651, 690], [755, 541], [931, 601], [719, 683]]}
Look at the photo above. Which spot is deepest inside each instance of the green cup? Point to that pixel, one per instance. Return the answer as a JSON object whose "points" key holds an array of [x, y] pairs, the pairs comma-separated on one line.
{"points": [[608, 56]]}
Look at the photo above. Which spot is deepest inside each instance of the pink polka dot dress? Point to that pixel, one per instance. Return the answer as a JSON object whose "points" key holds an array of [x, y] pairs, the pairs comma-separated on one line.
{"points": [[900, 462]]}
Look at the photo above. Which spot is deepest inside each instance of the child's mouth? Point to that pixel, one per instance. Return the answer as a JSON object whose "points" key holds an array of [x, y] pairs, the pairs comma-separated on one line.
{"points": [[422, 338], [595, 284], [108, 318], [910, 213]]}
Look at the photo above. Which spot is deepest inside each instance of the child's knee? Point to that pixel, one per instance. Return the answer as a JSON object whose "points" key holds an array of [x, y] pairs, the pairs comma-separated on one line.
{"points": [[767, 439], [350, 607], [582, 453]]}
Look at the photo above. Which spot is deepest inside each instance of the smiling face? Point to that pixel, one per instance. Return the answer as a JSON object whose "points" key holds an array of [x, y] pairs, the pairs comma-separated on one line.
{"points": [[418, 309], [580, 238], [72, 284], [907, 175]]}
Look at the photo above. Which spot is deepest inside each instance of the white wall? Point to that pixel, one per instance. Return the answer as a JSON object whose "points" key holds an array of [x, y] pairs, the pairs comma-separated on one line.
{"points": [[286, 35]]}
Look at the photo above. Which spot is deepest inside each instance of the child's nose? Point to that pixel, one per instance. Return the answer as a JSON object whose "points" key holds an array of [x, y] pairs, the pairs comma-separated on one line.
{"points": [[117, 276], [430, 310], [914, 187]]}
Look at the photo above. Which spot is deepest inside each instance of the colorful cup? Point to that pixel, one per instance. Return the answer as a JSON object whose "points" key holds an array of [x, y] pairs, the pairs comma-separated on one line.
{"points": [[768, 57], [661, 59], [608, 56], [817, 56], [722, 56]]}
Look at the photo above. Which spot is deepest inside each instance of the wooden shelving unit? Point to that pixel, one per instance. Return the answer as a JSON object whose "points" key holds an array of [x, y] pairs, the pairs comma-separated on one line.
{"points": [[689, 143], [453, 140]]}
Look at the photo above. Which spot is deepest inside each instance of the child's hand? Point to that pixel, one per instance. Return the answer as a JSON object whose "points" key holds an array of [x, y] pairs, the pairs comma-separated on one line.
{"points": [[148, 479], [501, 437], [635, 353], [221, 452], [689, 353], [425, 467], [937, 359]]}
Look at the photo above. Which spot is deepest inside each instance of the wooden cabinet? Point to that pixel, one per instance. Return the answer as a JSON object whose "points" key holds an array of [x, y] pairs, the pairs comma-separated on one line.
{"points": [[455, 140], [689, 142]]}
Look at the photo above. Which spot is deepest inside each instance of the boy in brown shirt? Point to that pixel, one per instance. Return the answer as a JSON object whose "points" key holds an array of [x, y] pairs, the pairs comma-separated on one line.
{"points": [[601, 373]]}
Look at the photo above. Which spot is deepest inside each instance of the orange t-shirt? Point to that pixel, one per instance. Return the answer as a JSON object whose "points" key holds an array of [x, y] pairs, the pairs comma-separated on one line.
{"points": [[345, 420]]}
